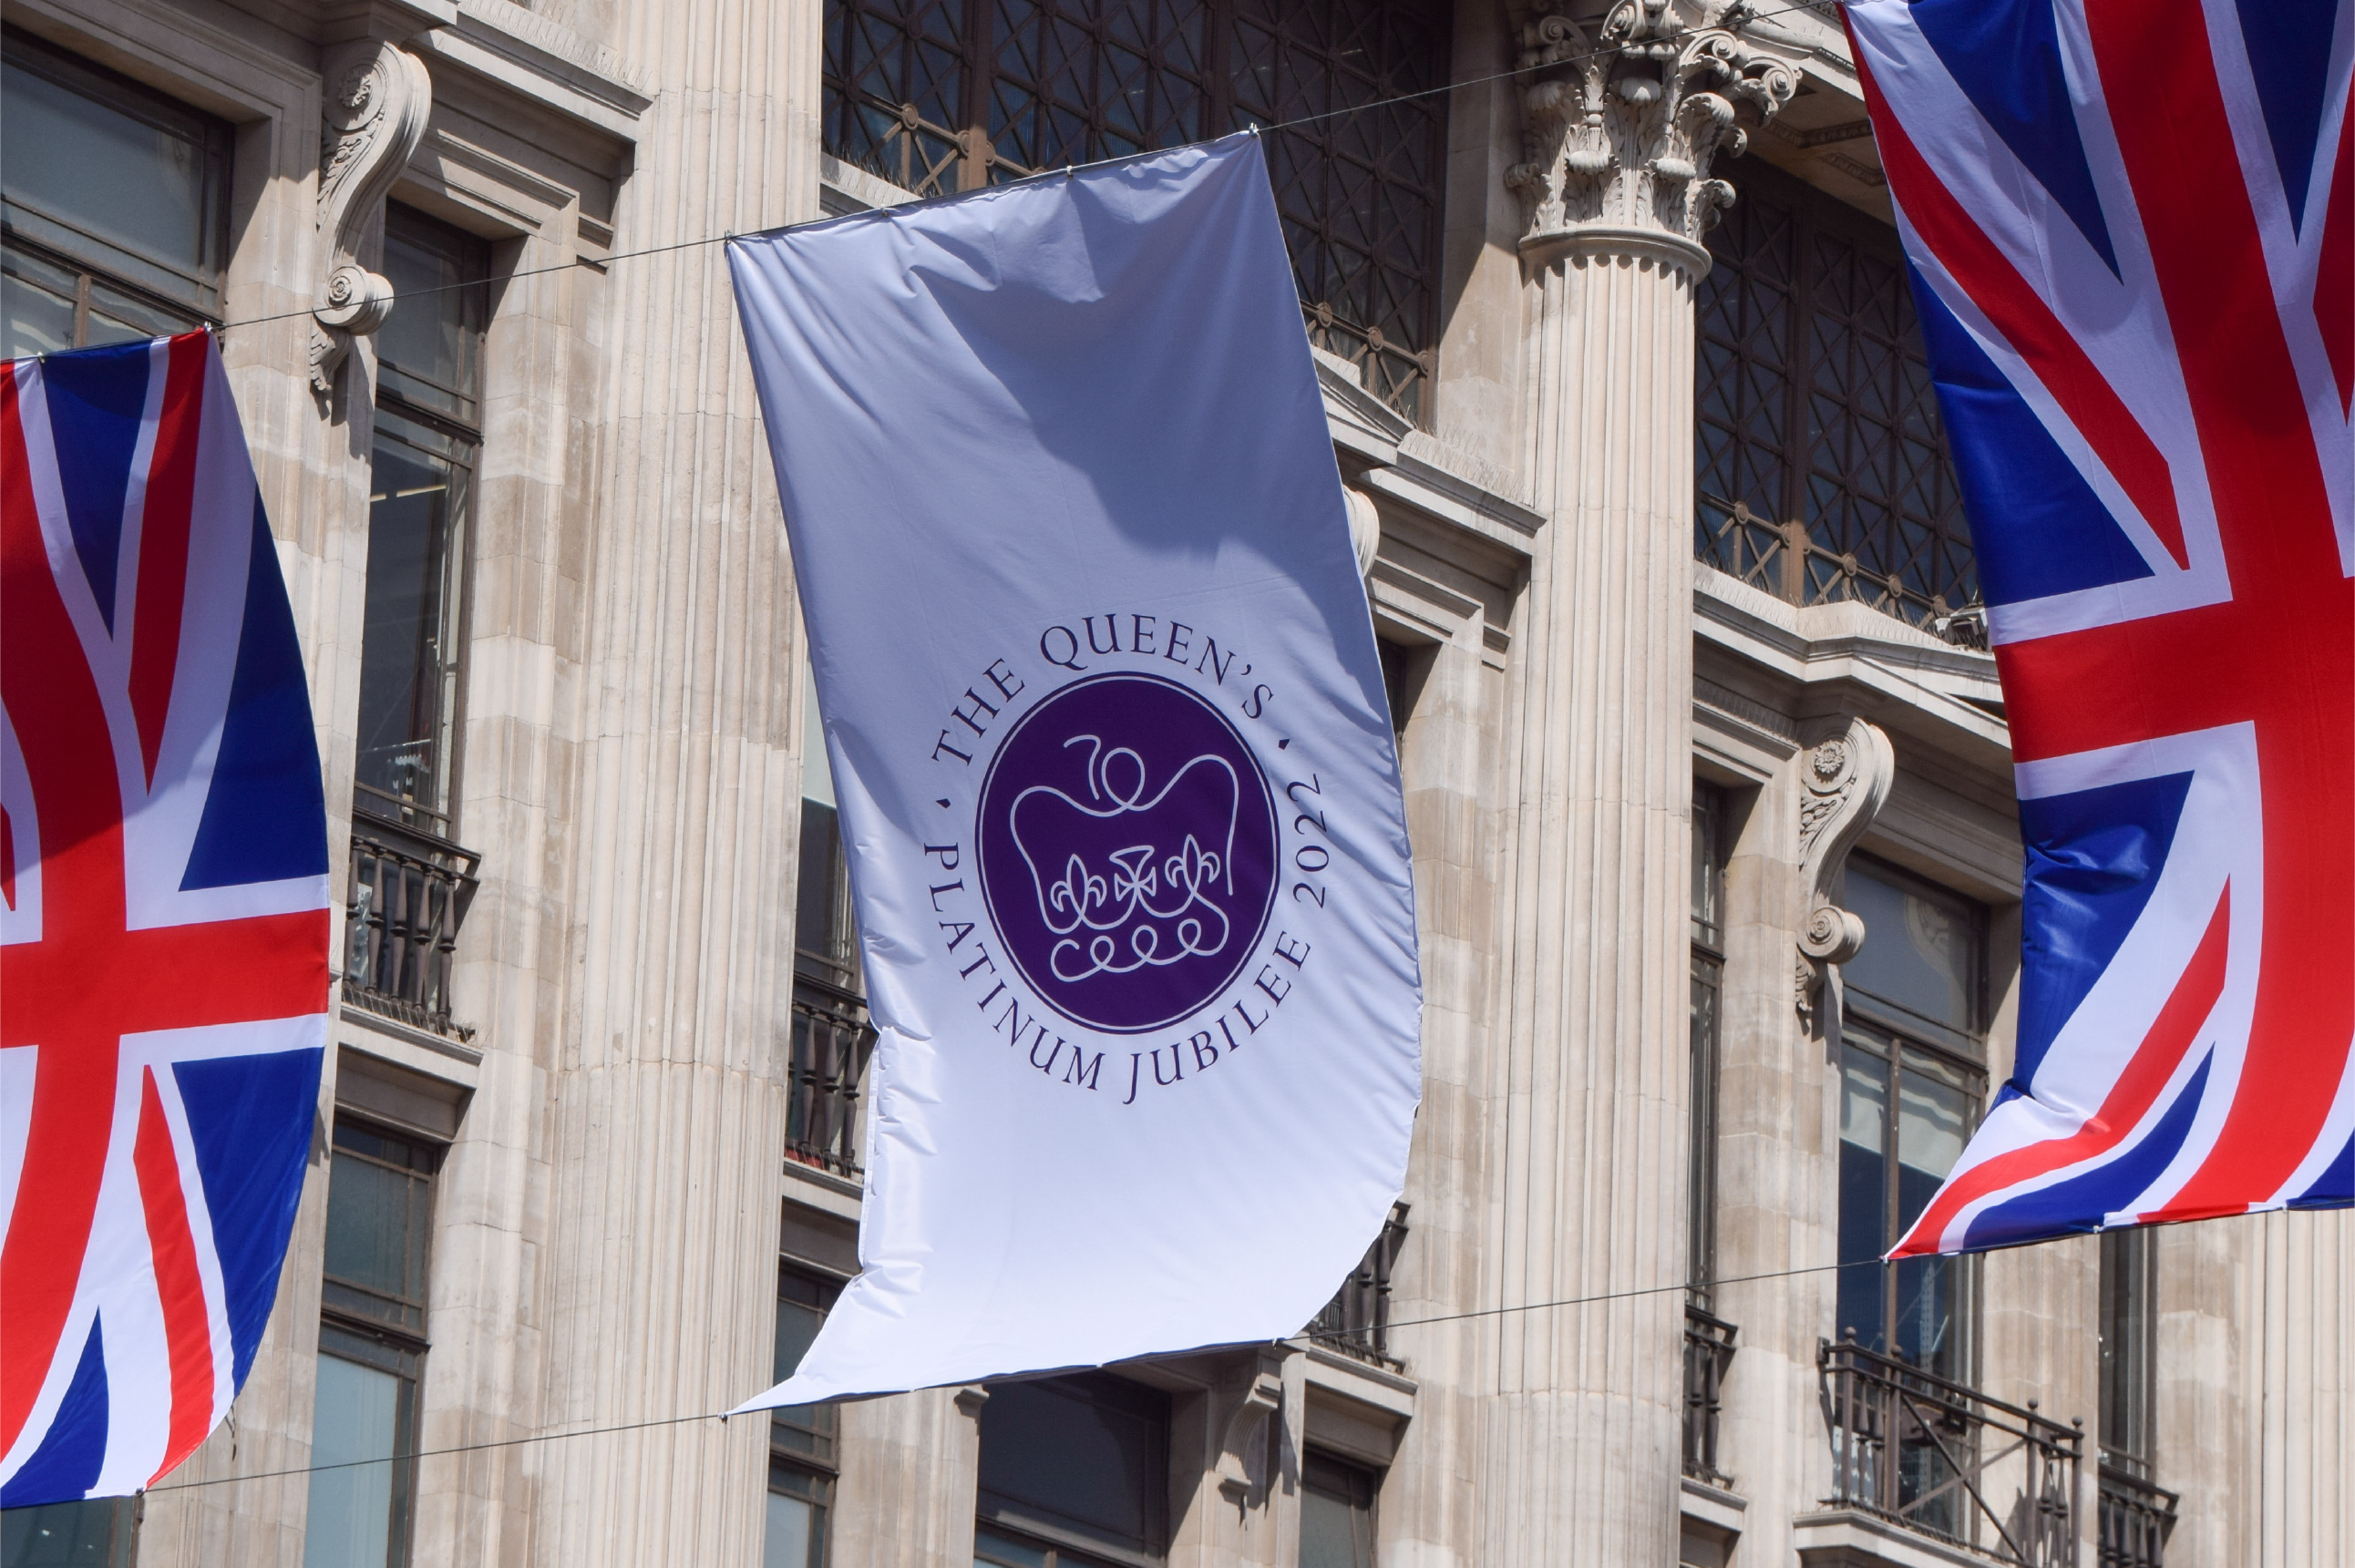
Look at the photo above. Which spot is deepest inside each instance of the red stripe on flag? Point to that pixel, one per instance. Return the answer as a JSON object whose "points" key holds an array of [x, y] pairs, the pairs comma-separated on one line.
{"points": [[165, 527], [2291, 599], [2028, 324], [45, 682], [180, 1286], [2334, 282], [2148, 1071]]}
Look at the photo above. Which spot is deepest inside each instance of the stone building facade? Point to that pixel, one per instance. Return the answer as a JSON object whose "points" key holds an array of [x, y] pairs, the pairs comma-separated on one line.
{"points": [[1717, 855]]}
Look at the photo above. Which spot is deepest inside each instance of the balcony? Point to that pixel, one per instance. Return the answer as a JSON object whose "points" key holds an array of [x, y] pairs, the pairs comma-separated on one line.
{"points": [[1946, 1461], [1708, 1351], [1357, 1322], [831, 1044], [2136, 1518], [410, 887]]}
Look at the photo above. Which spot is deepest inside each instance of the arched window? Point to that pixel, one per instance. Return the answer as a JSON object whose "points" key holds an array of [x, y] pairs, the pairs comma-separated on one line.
{"points": [[939, 96]]}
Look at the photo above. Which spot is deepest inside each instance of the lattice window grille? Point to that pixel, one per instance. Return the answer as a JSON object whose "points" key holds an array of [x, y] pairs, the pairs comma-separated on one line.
{"points": [[938, 96]]}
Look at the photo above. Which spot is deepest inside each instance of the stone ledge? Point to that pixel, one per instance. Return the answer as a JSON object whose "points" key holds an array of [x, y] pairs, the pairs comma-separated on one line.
{"points": [[1843, 1538], [1344, 1374], [823, 1190], [399, 1041], [1715, 1506]]}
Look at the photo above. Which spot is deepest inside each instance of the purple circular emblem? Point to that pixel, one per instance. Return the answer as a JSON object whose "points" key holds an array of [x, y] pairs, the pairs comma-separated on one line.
{"points": [[1127, 851]]}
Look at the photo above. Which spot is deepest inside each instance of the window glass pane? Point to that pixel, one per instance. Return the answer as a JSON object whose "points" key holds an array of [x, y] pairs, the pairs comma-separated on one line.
{"points": [[1920, 948], [115, 176], [802, 1302], [824, 926], [357, 1516], [429, 351], [1337, 1514], [1934, 1118], [117, 317], [996, 1551], [378, 1228], [37, 299], [1086, 1454], [1863, 1191], [1930, 1304], [796, 1327], [408, 661], [367, 1227], [1933, 1122], [99, 1533], [817, 768], [791, 1540], [2127, 1328], [1708, 865]]}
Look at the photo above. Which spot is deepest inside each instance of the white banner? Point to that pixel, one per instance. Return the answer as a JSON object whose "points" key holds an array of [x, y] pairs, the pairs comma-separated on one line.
{"points": [[1113, 763]]}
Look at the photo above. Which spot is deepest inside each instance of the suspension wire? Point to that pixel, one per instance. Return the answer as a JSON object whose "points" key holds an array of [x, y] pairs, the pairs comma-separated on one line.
{"points": [[1065, 170], [1049, 174], [1302, 1340]]}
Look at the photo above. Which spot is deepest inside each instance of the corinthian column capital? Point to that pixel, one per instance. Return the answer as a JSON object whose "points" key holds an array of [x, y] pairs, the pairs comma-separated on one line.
{"points": [[1626, 107]]}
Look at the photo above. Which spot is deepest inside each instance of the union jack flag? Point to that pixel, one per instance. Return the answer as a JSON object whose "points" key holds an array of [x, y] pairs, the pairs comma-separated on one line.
{"points": [[163, 915], [2133, 247]]}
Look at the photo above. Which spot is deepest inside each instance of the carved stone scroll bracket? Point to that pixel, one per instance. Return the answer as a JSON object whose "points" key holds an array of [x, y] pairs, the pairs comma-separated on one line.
{"points": [[1248, 1406], [1624, 114], [375, 106], [1844, 781]]}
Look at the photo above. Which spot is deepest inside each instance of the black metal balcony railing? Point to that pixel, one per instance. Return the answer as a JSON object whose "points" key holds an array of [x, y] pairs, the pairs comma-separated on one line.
{"points": [[410, 891], [1708, 1351], [2138, 1516], [1944, 1459], [1357, 1322], [832, 1041]]}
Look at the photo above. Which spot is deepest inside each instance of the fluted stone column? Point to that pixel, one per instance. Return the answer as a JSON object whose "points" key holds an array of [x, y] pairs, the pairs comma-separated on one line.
{"points": [[667, 1121], [1625, 109]]}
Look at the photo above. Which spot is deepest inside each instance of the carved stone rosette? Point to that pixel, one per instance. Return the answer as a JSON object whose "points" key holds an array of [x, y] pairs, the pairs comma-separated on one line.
{"points": [[377, 101], [1624, 116], [1843, 783]]}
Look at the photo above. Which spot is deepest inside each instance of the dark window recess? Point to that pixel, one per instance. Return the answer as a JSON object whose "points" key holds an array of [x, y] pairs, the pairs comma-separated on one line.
{"points": [[1405, 671], [803, 1431], [1336, 1512], [1357, 1322], [2129, 1323], [1912, 1079], [113, 205], [832, 1039], [801, 1437], [1822, 470], [1709, 1339], [2137, 1514], [102, 1533], [379, 1228], [1707, 982], [944, 95], [420, 504], [1078, 1464], [411, 882], [371, 1350]]}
